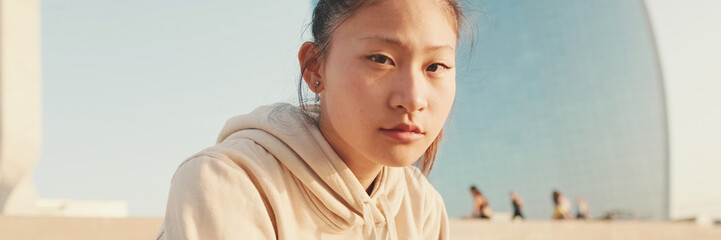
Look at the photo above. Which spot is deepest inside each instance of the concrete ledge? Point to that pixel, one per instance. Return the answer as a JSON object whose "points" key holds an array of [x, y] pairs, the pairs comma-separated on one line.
{"points": [[588, 230], [62, 228]]}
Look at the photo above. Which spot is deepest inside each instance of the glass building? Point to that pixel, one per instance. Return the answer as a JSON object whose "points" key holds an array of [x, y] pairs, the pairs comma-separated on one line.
{"points": [[558, 95]]}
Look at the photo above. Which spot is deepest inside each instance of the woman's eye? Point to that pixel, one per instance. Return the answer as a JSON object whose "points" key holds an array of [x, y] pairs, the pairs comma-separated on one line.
{"points": [[380, 59], [436, 67]]}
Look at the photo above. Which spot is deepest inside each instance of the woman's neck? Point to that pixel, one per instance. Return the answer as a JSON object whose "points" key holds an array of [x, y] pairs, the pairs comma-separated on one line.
{"points": [[364, 169]]}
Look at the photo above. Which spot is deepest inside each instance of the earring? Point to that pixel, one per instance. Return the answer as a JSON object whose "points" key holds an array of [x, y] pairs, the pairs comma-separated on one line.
{"points": [[317, 96]]}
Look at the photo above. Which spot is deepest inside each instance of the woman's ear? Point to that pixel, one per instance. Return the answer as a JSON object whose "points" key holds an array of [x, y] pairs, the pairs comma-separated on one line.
{"points": [[309, 60]]}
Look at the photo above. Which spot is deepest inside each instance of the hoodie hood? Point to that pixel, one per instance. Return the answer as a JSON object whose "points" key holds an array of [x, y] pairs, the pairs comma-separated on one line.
{"points": [[293, 137]]}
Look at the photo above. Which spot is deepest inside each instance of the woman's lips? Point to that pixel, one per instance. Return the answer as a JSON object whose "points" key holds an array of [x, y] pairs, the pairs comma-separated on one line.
{"points": [[402, 135], [404, 132]]}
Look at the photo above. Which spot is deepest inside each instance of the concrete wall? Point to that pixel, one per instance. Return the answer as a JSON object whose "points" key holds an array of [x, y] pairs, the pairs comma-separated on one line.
{"points": [[20, 100]]}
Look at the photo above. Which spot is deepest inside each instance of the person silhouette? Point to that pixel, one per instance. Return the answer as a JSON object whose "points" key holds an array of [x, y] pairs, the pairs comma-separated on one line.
{"points": [[481, 209], [582, 208], [517, 204], [561, 206]]}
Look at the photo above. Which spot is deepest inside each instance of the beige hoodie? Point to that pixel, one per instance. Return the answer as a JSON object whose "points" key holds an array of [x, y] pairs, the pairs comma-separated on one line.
{"points": [[272, 175]]}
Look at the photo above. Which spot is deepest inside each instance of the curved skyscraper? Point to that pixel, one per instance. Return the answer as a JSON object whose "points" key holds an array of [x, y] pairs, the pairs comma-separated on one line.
{"points": [[570, 96]]}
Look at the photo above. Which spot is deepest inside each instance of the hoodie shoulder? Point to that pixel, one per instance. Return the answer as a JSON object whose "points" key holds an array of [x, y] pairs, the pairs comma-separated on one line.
{"points": [[209, 191], [419, 186], [416, 179], [430, 205], [245, 154]]}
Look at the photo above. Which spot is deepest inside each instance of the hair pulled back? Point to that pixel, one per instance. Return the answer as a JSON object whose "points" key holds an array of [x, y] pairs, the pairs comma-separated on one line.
{"points": [[328, 15]]}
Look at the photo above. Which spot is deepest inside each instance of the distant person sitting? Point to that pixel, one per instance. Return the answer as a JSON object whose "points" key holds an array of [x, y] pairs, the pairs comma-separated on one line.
{"points": [[481, 209], [517, 203], [561, 206]]}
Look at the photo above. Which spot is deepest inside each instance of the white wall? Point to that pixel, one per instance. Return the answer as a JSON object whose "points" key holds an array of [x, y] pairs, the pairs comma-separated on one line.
{"points": [[688, 34], [20, 115]]}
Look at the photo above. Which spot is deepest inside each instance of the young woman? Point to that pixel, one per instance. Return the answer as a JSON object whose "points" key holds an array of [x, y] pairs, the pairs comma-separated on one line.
{"points": [[384, 74]]}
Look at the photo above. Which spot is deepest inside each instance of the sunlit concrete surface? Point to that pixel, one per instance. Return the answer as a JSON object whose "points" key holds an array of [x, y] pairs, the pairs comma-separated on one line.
{"points": [[81, 208], [20, 101], [540, 230], [62, 228], [67, 228]]}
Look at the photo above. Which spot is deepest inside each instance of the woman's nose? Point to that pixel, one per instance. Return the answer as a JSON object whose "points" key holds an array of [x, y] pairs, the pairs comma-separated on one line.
{"points": [[409, 92]]}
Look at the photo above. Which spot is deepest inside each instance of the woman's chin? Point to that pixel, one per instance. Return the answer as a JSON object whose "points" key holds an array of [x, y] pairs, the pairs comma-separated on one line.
{"points": [[399, 160]]}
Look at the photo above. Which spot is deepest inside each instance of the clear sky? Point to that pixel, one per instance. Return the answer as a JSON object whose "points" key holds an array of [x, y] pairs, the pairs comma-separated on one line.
{"points": [[132, 88]]}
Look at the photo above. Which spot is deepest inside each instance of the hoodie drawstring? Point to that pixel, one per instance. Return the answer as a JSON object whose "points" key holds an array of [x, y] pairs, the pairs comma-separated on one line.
{"points": [[369, 227], [390, 221]]}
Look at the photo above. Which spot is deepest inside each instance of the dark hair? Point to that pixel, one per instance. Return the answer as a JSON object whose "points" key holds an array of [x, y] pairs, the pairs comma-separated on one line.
{"points": [[475, 191], [327, 16]]}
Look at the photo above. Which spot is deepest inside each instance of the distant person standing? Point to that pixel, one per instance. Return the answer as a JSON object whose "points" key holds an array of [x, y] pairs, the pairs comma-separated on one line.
{"points": [[517, 203], [561, 206], [582, 208], [481, 209]]}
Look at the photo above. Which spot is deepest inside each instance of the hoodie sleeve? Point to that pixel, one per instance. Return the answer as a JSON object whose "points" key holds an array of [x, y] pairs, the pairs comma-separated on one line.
{"points": [[213, 198]]}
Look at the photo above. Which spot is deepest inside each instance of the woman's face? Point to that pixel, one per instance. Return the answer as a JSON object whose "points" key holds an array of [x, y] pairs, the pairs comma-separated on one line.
{"points": [[388, 82]]}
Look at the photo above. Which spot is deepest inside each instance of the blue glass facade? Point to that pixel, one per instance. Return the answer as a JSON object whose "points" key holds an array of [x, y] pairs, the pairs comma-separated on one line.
{"points": [[562, 95]]}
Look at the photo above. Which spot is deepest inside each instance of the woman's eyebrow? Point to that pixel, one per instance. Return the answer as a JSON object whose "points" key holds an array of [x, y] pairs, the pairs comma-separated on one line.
{"points": [[397, 42]]}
